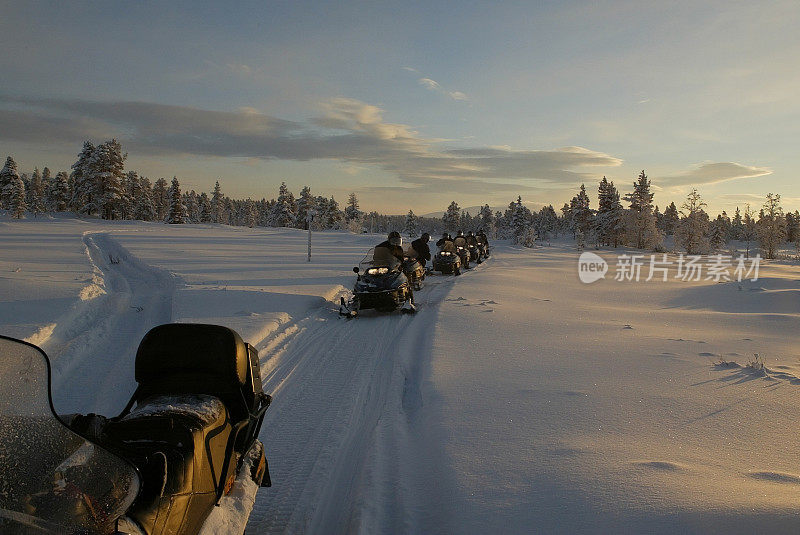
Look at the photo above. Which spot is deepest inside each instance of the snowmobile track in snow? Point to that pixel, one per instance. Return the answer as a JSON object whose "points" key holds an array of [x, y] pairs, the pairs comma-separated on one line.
{"points": [[344, 391], [94, 345]]}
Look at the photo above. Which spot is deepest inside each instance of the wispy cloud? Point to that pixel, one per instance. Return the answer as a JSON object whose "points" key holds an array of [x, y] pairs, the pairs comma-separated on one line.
{"points": [[349, 131], [714, 173], [432, 85]]}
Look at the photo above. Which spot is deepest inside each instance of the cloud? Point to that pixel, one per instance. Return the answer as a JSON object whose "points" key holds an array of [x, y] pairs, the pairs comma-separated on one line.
{"points": [[349, 131], [714, 173], [433, 85]]}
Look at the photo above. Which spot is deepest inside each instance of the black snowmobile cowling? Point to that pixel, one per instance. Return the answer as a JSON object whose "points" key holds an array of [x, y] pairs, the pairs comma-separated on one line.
{"points": [[187, 437], [380, 285]]}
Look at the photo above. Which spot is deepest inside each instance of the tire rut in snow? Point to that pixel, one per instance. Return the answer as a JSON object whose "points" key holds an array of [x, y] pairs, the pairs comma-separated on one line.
{"points": [[334, 384], [94, 346]]}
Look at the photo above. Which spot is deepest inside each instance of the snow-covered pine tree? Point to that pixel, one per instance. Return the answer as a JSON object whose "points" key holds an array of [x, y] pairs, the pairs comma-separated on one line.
{"points": [[161, 199], [452, 217], [283, 214], [335, 215], [47, 188], [351, 211], [17, 204], [8, 183], [217, 204], [546, 223], [130, 188], [692, 232], [771, 226], [107, 164], [305, 202], [582, 217], [144, 208], [718, 235], [83, 187], [609, 222], [205, 208], [466, 221], [520, 221], [60, 193], [641, 222], [793, 227], [249, 213], [487, 221], [671, 219], [192, 207], [749, 230], [736, 225], [410, 227], [35, 193], [177, 211]]}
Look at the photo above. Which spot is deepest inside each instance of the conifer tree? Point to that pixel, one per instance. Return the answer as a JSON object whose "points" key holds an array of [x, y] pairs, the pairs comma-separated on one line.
{"points": [[83, 188], [8, 183], [718, 235], [771, 226], [692, 233], [305, 203], [641, 222], [452, 217], [144, 207], [107, 164], [177, 211], [35, 193], [60, 195], [410, 226], [161, 199], [283, 214], [205, 208], [17, 197]]}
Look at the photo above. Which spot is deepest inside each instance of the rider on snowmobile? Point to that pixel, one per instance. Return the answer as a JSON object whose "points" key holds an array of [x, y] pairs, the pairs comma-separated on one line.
{"points": [[420, 245], [460, 240], [394, 244], [445, 243]]}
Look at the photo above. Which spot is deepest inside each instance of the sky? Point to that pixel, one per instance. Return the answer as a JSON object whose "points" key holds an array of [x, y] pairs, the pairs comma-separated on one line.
{"points": [[414, 105]]}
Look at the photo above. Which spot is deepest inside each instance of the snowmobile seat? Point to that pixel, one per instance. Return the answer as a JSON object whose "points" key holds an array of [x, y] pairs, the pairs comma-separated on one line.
{"points": [[208, 361]]}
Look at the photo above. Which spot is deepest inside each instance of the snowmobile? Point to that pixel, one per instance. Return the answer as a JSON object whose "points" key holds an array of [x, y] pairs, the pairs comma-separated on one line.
{"points": [[187, 438], [474, 253], [414, 271], [463, 253], [380, 285], [447, 262]]}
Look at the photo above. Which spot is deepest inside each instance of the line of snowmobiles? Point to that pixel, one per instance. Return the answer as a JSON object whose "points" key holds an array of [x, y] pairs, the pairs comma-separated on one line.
{"points": [[385, 284], [187, 438]]}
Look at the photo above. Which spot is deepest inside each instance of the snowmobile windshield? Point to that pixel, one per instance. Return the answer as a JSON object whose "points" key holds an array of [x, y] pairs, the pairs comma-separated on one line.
{"points": [[51, 479], [379, 257]]}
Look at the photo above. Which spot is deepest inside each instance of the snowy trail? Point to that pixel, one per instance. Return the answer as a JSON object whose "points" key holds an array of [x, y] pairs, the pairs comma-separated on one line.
{"points": [[94, 346], [345, 391]]}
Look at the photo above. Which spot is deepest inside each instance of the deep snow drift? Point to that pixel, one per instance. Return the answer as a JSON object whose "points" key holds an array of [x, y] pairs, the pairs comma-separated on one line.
{"points": [[518, 399]]}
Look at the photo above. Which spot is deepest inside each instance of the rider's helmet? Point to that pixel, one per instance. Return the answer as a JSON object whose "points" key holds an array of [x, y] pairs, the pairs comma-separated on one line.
{"points": [[426, 237], [460, 233], [395, 238], [445, 236], [470, 233]]}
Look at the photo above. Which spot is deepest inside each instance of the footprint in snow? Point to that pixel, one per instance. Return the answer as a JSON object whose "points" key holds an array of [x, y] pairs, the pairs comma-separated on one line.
{"points": [[706, 354], [488, 310], [628, 326]]}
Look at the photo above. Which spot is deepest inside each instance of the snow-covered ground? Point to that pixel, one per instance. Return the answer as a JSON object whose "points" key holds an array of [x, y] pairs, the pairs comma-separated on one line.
{"points": [[518, 399]]}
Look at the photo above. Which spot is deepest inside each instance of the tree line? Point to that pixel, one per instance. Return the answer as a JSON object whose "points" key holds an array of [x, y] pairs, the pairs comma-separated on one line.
{"points": [[98, 185]]}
